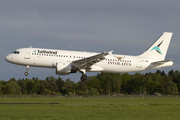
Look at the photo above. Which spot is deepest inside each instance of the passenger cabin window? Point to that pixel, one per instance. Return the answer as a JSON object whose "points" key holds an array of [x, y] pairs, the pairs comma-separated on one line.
{"points": [[16, 52]]}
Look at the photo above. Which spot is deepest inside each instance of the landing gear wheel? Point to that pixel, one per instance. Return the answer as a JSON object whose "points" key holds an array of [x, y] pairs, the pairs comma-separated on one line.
{"points": [[83, 77], [27, 69], [26, 73]]}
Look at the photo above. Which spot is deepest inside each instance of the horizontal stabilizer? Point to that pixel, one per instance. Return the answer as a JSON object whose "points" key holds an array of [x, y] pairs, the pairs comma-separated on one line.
{"points": [[161, 62]]}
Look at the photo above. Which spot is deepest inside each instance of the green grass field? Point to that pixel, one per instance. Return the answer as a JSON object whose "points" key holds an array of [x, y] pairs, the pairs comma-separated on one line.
{"points": [[136, 108]]}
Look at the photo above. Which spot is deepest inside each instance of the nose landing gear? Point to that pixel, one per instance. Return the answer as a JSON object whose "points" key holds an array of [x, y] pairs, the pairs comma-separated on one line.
{"points": [[27, 69]]}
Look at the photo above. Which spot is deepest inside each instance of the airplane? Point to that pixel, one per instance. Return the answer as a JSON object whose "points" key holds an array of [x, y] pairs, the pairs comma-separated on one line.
{"points": [[65, 62]]}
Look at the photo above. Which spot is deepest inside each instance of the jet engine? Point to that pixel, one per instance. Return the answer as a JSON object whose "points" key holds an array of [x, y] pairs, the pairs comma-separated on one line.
{"points": [[63, 68]]}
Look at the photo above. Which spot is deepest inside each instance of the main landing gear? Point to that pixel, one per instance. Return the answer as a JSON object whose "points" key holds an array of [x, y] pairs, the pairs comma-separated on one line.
{"points": [[84, 76], [27, 69]]}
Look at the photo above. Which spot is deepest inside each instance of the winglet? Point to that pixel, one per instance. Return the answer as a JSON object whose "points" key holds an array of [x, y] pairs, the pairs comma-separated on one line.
{"points": [[110, 52]]}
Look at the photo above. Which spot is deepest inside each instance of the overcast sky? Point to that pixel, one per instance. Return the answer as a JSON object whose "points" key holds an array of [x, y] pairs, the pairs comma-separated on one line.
{"points": [[125, 26]]}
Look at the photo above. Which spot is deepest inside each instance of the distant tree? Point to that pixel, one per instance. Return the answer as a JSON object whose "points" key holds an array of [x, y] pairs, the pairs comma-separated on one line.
{"points": [[130, 87], [43, 90], [176, 79], [53, 87], [116, 83], [7, 90], [94, 83], [93, 91], [13, 79], [51, 79], [30, 86], [158, 72], [2, 82], [163, 73], [137, 83], [81, 86], [22, 85], [37, 84], [126, 86], [1, 86], [107, 86], [153, 87], [13, 84], [1, 92], [52, 84], [106, 82], [69, 89], [171, 73], [61, 85], [169, 87]]}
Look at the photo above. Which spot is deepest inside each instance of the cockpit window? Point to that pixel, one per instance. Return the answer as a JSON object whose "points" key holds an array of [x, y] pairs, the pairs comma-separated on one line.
{"points": [[16, 52]]}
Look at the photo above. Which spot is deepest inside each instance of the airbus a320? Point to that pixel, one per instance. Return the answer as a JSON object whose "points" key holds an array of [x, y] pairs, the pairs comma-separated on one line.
{"points": [[66, 62]]}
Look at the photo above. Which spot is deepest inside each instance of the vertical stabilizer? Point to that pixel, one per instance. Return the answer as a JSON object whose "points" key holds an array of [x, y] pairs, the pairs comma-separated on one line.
{"points": [[159, 48]]}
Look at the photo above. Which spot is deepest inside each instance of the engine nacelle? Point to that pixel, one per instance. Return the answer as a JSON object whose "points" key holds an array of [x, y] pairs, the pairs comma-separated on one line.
{"points": [[63, 68]]}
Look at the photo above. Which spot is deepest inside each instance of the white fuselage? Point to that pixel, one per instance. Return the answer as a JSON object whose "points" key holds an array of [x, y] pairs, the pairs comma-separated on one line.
{"points": [[113, 63]]}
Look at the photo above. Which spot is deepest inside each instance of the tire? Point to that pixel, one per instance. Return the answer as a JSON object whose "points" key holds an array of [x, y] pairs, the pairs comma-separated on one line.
{"points": [[26, 73], [83, 77]]}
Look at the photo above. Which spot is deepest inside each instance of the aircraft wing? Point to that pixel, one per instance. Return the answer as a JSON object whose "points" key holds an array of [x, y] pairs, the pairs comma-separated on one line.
{"points": [[89, 61], [161, 62]]}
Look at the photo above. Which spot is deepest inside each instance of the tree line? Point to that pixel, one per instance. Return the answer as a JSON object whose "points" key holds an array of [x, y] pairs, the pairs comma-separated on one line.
{"points": [[104, 84]]}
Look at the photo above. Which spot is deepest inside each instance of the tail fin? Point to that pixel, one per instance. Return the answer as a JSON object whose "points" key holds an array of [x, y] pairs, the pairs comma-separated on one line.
{"points": [[159, 48]]}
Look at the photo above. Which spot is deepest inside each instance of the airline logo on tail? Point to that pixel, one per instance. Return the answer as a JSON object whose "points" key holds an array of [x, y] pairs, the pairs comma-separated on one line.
{"points": [[157, 48]]}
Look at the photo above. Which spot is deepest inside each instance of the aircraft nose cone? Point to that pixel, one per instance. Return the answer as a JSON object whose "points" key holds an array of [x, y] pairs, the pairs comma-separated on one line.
{"points": [[8, 58]]}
